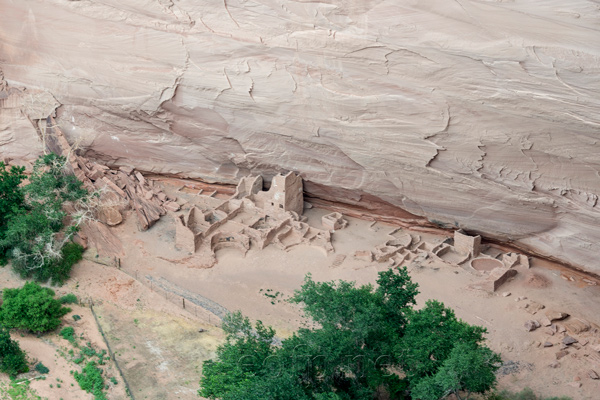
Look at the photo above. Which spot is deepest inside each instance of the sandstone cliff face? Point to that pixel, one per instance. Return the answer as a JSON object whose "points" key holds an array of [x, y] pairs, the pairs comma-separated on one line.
{"points": [[481, 114]]}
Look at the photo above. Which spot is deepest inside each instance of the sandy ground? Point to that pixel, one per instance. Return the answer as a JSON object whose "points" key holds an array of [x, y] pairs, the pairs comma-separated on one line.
{"points": [[160, 349], [240, 283]]}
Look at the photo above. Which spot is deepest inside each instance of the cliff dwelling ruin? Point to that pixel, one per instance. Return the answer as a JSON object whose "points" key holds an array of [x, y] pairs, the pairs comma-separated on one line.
{"points": [[231, 149], [251, 215]]}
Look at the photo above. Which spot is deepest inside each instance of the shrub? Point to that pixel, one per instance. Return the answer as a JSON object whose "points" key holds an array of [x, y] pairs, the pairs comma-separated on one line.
{"points": [[68, 333], [68, 299], [12, 358], [58, 270], [32, 308], [90, 379], [41, 368], [36, 253]]}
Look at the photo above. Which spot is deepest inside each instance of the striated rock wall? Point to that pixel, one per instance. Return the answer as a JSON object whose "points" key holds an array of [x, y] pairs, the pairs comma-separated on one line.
{"points": [[480, 114]]}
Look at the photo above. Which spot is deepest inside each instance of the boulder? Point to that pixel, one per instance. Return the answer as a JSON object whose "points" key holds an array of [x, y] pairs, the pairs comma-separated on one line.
{"points": [[140, 177], [553, 315], [111, 216], [81, 240], [577, 325], [531, 325], [171, 206], [569, 340], [533, 307], [95, 173], [126, 170]]}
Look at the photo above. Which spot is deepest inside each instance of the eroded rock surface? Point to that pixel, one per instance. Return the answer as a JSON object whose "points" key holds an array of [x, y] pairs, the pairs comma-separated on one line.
{"points": [[478, 114]]}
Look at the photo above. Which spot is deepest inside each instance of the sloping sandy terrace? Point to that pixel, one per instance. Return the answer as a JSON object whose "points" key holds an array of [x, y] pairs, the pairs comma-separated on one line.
{"points": [[160, 348]]}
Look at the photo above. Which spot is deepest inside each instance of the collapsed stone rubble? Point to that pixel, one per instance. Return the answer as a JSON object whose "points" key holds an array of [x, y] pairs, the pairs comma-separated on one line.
{"points": [[573, 340], [126, 187], [250, 216]]}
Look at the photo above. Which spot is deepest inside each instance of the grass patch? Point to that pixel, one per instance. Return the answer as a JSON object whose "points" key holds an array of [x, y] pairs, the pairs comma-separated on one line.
{"points": [[18, 390]]}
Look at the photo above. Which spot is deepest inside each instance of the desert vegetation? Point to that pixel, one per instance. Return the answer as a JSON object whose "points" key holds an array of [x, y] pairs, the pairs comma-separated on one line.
{"points": [[361, 343], [31, 308], [13, 360], [36, 230], [358, 342]]}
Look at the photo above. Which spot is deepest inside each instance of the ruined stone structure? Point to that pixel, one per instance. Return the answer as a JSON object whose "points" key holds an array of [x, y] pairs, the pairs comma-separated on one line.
{"points": [[250, 217], [334, 221], [379, 103], [466, 244], [462, 251]]}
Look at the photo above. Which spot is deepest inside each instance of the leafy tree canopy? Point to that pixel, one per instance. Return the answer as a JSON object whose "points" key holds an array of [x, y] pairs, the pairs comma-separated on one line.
{"points": [[32, 308], [11, 196], [32, 223], [431, 334], [12, 359], [469, 368], [360, 347]]}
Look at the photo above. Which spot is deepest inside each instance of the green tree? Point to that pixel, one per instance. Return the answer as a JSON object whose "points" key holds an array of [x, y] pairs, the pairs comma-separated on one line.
{"points": [[35, 236], [248, 366], [11, 198], [359, 341], [469, 369], [240, 358], [353, 348], [32, 308], [431, 334], [347, 357], [12, 359]]}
